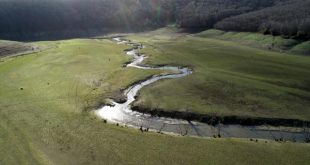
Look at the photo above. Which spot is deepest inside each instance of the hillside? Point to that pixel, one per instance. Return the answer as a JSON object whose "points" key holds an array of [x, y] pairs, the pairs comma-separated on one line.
{"points": [[43, 97], [8, 48], [152, 82], [24, 19], [289, 19], [258, 40], [205, 13], [229, 79]]}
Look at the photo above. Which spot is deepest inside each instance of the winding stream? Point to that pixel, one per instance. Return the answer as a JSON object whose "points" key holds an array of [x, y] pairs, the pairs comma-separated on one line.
{"points": [[121, 113]]}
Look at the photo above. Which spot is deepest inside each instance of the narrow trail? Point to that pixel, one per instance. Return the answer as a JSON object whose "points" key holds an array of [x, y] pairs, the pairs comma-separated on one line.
{"points": [[121, 113]]}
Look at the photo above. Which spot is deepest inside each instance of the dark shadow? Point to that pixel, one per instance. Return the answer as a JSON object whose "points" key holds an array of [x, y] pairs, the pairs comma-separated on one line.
{"points": [[70, 34]]}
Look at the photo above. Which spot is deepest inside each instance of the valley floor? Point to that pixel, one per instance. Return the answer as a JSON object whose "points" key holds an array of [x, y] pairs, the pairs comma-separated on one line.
{"points": [[46, 100]]}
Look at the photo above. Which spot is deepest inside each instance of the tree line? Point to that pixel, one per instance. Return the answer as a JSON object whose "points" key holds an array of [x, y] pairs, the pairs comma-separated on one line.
{"points": [[290, 18], [44, 16]]}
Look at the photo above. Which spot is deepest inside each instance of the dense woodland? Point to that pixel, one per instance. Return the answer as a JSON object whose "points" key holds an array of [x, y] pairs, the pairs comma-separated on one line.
{"points": [[290, 18], [205, 13], [22, 17]]}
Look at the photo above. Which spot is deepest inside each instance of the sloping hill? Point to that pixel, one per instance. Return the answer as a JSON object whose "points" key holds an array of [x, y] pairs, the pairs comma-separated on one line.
{"points": [[205, 13], [289, 19], [257, 40], [24, 19], [8, 48]]}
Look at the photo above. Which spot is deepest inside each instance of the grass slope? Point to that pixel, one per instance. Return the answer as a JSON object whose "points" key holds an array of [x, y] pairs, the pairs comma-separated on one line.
{"points": [[276, 43], [303, 48], [8, 48], [229, 79], [45, 123]]}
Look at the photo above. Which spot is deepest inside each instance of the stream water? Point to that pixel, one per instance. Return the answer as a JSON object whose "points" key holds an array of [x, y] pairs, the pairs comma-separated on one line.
{"points": [[121, 113]]}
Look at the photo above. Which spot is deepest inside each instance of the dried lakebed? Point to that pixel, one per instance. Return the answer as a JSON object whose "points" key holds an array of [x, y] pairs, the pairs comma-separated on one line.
{"points": [[122, 113]]}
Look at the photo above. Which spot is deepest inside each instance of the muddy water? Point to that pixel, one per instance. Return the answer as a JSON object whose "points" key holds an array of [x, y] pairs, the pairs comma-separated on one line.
{"points": [[122, 113]]}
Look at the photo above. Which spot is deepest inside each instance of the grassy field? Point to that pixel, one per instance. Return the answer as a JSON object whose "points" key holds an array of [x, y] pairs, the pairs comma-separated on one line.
{"points": [[229, 79], [43, 98], [269, 42], [303, 48]]}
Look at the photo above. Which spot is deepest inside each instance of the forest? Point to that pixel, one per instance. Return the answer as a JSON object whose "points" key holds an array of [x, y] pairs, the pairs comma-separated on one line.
{"points": [[290, 18], [23, 17]]}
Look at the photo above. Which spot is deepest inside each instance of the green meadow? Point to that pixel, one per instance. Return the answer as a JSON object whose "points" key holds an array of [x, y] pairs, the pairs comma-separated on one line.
{"points": [[47, 98], [268, 42], [229, 78]]}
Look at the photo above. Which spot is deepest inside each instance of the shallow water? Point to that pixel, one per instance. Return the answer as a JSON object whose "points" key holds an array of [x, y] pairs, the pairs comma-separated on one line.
{"points": [[121, 113]]}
